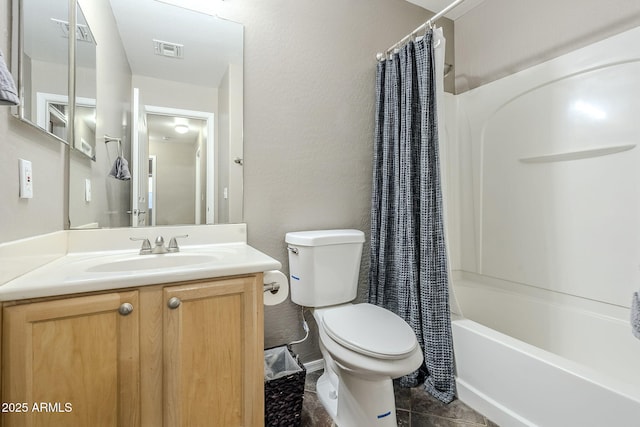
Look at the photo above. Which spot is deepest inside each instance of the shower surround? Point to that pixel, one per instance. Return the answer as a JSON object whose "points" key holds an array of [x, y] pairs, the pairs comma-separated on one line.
{"points": [[543, 194]]}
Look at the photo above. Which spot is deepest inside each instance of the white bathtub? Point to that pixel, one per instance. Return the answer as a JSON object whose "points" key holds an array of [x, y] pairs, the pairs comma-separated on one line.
{"points": [[583, 369]]}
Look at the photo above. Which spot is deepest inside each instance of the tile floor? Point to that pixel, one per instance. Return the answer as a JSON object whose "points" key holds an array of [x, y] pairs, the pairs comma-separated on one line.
{"points": [[415, 408]]}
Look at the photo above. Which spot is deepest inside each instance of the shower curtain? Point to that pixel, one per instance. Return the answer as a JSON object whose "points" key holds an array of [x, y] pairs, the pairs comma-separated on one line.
{"points": [[408, 270]]}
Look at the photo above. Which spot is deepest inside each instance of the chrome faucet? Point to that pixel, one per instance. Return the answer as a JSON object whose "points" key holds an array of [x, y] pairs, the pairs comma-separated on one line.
{"points": [[159, 247], [173, 243], [146, 245]]}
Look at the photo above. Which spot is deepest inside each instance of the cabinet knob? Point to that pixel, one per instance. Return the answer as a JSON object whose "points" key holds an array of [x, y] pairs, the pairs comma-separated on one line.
{"points": [[125, 309], [174, 303]]}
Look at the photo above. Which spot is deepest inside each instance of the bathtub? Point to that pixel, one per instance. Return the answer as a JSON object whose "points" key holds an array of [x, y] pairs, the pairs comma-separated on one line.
{"points": [[519, 367]]}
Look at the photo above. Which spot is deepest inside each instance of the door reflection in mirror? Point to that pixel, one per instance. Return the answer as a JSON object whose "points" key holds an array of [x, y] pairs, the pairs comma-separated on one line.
{"points": [[178, 172]]}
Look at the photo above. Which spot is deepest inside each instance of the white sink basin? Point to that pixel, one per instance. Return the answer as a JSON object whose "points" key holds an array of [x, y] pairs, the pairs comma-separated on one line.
{"points": [[151, 262], [104, 270]]}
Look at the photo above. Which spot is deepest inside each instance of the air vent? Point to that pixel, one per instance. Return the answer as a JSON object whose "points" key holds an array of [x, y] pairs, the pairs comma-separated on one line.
{"points": [[170, 50], [83, 33]]}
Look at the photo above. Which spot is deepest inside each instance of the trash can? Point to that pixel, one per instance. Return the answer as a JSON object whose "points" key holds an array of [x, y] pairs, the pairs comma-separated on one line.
{"points": [[284, 377]]}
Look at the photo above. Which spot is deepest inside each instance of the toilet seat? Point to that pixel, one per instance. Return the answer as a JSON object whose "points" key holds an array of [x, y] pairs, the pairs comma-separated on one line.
{"points": [[370, 330]]}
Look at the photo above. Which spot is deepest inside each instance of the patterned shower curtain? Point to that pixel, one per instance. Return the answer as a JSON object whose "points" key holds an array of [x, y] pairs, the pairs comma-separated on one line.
{"points": [[408, 270]]}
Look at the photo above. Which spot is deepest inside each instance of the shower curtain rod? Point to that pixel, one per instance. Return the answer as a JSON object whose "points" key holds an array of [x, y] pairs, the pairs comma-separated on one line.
{"points": [[430, 22]]}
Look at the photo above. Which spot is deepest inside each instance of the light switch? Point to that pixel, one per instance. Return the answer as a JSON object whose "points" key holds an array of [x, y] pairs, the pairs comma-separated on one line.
{"points": [[26, 179], [87, 190]]}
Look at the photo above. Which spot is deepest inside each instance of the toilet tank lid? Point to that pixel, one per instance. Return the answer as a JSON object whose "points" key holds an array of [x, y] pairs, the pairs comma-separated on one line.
{"points": [[324, 237]]}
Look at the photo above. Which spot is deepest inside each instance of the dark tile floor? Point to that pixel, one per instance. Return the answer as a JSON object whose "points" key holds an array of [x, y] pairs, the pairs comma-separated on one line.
{"points": [[415, 408]]}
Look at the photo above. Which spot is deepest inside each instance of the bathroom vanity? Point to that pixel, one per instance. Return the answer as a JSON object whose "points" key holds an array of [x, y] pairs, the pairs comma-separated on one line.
{"points": [[181, 346]]}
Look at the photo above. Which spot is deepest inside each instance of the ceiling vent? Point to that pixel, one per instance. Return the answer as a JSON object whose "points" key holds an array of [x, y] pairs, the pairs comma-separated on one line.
{"points": [[83, 33], [170, 50]]}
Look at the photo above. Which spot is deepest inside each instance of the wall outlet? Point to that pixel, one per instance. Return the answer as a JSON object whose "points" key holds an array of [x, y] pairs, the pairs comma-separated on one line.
{"points": [[26, 179]]}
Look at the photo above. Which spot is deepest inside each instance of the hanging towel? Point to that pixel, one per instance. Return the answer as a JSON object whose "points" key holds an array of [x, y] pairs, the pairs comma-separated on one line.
{"points": [[120, 169], [8, 92], [635, 315]]}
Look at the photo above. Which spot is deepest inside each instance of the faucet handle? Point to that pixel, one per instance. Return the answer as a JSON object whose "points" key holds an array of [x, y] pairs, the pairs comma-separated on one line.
{"points": [[173, 243], [146, 245]]}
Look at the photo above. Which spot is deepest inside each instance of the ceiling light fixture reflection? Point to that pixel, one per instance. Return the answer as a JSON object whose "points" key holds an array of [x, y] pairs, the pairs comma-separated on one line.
{"points": [[181, 129]]}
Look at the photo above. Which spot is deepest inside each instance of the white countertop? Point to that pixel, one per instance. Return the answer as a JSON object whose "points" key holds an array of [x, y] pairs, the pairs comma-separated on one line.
{"points": [[104, 270]]}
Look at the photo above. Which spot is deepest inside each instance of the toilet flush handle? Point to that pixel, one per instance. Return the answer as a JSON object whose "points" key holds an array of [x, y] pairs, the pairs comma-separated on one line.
{"points": [[293, 250]]}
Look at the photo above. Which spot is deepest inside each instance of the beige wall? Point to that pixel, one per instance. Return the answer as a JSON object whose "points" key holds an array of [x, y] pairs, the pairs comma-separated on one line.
{"points": [[110, 198], [222, 150], [229, 174], [308, 123], [309, 77], [501, 37], [44, 213], [236, 120]]}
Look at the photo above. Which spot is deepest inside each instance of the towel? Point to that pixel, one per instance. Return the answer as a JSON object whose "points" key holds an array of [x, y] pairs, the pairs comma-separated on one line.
{"points": [[120, 169], [8, 92], [635, 315]]}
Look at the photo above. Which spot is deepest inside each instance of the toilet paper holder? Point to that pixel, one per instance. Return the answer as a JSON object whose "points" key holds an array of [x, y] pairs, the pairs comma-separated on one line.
{"points": [[272, 287], [275, 287]]}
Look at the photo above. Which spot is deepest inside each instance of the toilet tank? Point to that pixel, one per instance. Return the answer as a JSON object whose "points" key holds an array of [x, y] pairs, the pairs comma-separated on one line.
{"points": [[324, 266]]}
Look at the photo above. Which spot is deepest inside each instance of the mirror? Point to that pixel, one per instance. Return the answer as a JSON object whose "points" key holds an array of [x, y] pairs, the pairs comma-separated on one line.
{"points": [[40, 60], [185, 68], [84, 117]]}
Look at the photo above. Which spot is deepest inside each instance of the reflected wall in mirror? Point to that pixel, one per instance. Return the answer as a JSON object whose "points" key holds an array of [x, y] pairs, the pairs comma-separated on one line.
{"points": [[40, 59], [178, 147], [187, 72], [84, 137]]}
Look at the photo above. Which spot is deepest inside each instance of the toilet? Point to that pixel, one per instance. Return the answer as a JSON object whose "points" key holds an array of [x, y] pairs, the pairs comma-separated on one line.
{"points": [[364, 346]]}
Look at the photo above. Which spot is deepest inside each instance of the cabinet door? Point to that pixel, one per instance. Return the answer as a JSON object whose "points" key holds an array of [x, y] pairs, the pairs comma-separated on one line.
{"points": [[213, 354], [72, 362]]}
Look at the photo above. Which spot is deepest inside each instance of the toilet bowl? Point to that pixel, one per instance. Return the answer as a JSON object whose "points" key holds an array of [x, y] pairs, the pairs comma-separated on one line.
{"points": [[364, 347]]}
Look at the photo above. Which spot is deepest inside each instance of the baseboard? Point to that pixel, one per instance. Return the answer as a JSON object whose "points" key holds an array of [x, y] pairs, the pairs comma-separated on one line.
{"points": [[314, 365]]}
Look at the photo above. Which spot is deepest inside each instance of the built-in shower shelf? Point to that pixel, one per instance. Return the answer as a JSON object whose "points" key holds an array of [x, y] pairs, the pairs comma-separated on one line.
{"points": [[577, 155]]}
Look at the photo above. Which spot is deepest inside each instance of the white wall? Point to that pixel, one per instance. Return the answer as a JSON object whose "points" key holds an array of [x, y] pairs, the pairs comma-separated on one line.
{"points": [[175, 177], [170, 94]]}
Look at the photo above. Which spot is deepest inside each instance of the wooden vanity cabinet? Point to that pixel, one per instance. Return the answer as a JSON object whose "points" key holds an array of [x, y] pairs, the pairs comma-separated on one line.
{"points": [[187, 354], [213, 354], [71, 362]]}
